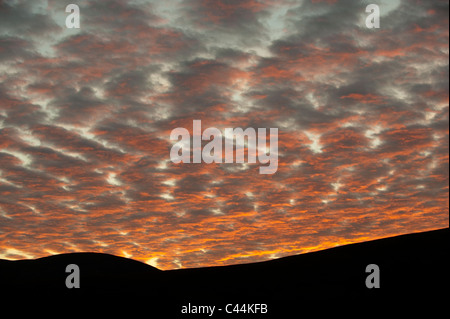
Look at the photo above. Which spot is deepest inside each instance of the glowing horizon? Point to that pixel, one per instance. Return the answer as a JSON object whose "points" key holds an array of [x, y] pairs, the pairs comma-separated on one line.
{"points": [[86, 116]]}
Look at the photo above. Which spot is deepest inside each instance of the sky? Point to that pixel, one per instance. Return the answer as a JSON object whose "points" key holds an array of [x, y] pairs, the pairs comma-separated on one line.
{"points": [[86, 116]]}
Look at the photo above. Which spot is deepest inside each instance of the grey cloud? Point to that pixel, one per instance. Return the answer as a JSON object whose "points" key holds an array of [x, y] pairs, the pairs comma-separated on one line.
{"points": [[21, 18]]}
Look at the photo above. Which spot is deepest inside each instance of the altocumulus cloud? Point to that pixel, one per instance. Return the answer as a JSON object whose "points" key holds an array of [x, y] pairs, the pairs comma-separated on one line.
{"points": [[86, 114]]}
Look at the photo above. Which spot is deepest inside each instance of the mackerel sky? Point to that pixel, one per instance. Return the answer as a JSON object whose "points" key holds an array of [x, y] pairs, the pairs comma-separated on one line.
{"points": [[86, 116]]}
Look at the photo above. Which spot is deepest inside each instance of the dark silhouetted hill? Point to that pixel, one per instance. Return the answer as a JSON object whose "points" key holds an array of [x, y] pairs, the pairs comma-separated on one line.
{"points": [[413, 268], [99, 273]]}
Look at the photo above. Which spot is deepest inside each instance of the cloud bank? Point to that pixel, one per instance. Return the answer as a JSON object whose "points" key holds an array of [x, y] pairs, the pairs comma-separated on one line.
{"points": [[86, 116]]}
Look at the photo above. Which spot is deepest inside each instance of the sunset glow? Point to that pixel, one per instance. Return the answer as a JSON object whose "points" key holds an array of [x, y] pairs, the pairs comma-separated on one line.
{"points": [[86, 116]]}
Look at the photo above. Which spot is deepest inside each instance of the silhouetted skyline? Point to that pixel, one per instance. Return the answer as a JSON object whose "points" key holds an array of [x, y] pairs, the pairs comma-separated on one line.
{"points": [[86, 116]]}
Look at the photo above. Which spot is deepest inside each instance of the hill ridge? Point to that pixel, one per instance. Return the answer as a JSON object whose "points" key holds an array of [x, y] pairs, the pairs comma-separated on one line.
{"points": [[412, 267]]}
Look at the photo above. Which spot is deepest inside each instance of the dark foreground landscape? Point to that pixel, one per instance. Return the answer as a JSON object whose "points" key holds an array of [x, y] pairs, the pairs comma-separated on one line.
{"points": [[413, 271]]}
